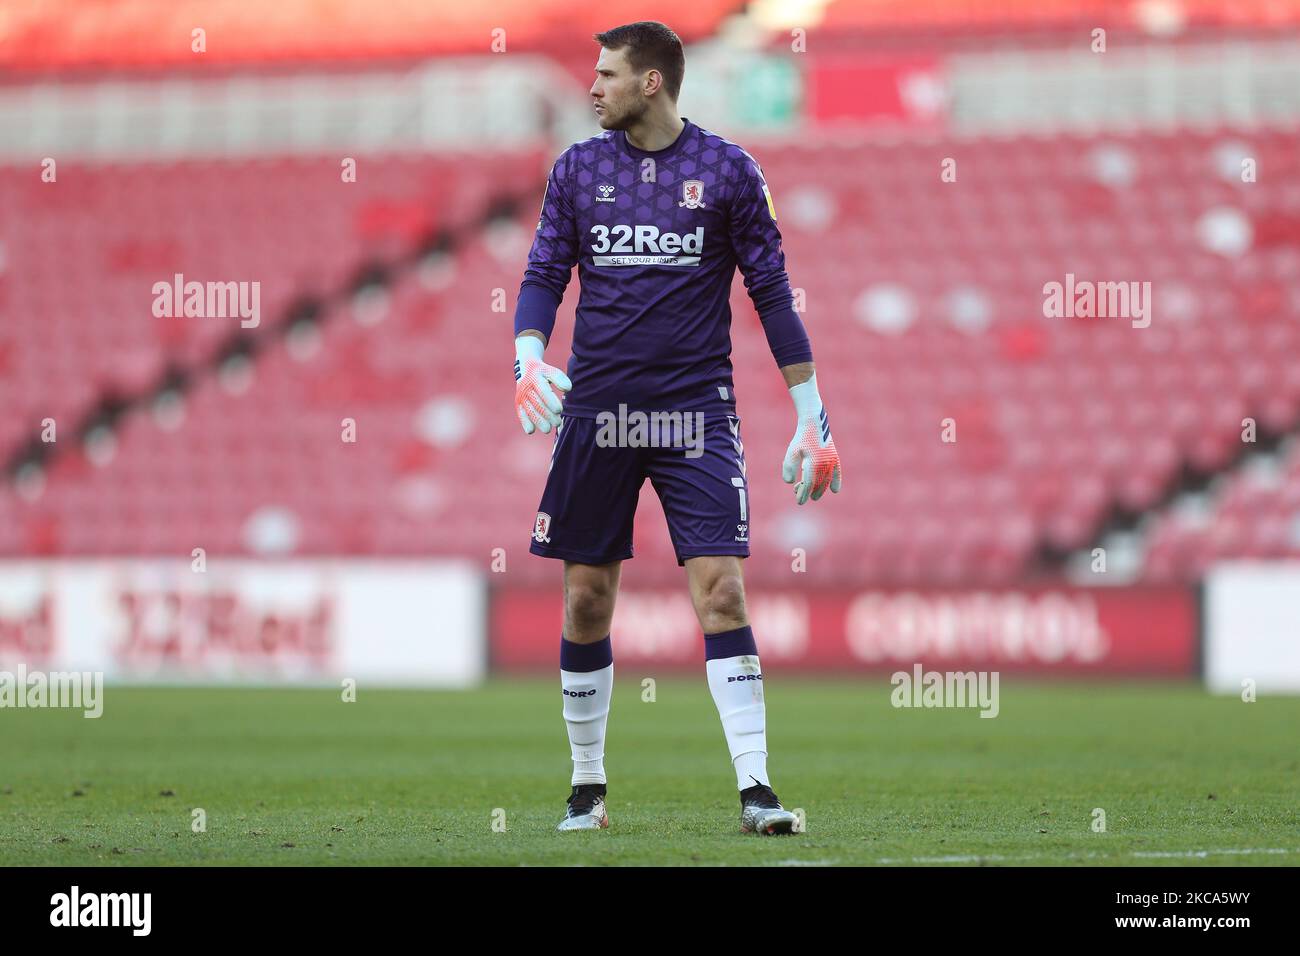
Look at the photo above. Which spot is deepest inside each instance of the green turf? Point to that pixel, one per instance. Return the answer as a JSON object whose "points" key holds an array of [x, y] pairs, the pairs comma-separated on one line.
{"points": [[404, 777]]}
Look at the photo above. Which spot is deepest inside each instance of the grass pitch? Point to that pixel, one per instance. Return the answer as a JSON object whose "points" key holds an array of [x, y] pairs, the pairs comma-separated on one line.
{"points": [[294, 777]]}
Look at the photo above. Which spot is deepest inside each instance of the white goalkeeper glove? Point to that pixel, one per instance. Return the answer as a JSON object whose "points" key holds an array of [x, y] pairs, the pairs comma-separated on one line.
{"points": [[535, 401], [811, 457]]}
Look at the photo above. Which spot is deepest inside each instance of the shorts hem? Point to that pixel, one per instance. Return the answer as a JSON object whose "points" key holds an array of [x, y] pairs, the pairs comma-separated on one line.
{"points": [[567, 554], [713, 551]]}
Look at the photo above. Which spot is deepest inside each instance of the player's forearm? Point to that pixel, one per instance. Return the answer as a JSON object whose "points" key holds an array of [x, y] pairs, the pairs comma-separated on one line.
{"points": [[786, 336], [535, 310]]}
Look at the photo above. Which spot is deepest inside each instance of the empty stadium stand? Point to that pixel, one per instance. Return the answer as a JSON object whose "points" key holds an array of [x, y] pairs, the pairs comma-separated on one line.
{"points": [[924, 299]]}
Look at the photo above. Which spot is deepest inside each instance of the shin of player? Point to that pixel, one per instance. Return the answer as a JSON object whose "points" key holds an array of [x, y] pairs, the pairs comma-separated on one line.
{"points": [[587, 679], [736, 682]]}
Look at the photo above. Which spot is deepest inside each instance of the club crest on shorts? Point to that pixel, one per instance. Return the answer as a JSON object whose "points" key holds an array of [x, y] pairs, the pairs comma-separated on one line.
{"points": [[692, 194], [541, 530]]}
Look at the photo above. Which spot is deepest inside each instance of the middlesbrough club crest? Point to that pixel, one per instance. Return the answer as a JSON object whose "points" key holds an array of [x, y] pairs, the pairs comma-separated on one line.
{"points": [[692, 194], [541, 531]]}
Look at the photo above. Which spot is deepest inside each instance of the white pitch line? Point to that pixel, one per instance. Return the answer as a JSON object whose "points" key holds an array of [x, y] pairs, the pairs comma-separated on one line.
{"points": [[1204, 853], [1141, 854], [806, 862], [990, 857]]}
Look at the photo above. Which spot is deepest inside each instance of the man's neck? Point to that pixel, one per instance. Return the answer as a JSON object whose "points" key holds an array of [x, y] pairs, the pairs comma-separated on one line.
{"points": [[655, 132]]}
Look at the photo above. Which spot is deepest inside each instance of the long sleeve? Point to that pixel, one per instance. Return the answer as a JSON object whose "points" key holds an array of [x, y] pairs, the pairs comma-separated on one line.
{"points": [[756, 241], [553, 254]]}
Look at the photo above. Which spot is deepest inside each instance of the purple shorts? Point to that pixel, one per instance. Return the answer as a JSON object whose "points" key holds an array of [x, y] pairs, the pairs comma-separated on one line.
{"points": [[595, 481]]}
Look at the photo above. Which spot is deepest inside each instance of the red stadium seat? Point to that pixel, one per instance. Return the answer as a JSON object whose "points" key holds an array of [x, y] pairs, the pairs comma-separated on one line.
{"points": [[1060, 422]]}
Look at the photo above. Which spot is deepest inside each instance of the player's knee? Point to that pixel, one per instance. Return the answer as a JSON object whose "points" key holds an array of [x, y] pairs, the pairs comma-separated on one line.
{"points": [[722, 604], [589, 605]]}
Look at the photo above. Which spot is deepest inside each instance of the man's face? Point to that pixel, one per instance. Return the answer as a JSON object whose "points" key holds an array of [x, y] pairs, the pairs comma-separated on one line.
{"points": [[617, 91]]}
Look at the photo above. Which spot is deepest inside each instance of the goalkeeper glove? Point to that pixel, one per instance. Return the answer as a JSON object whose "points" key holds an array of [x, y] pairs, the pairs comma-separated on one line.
{"points": [[535, 402], [812, 446]]}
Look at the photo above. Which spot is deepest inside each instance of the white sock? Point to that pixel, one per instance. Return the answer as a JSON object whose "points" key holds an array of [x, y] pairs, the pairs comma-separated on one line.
{"points": [[737, 686], [586, 711]]}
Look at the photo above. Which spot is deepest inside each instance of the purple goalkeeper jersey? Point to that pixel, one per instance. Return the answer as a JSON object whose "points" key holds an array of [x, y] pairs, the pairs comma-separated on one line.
{"points": [[657, 236]]}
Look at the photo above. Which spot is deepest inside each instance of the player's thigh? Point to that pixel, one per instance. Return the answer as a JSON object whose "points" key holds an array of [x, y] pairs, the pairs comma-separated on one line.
{"points": [[589, 502], [705, 492]]}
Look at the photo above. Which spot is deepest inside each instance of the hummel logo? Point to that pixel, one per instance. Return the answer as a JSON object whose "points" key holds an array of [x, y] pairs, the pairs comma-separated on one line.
{"points": [[606, 193]]}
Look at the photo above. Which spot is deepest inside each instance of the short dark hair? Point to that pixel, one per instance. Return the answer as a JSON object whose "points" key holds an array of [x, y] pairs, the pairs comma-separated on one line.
{"points": [[650, 46]]}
